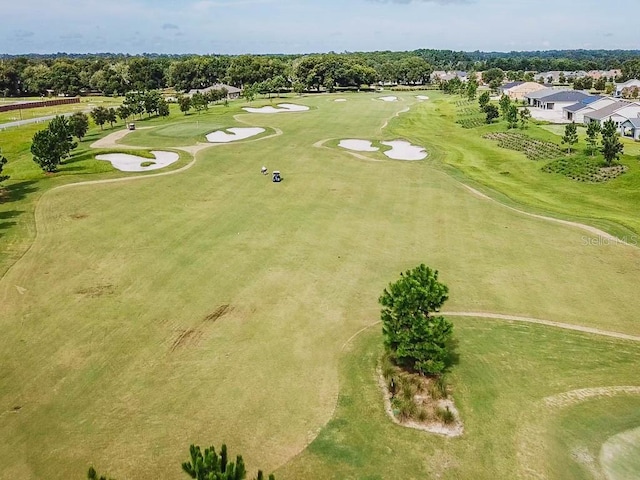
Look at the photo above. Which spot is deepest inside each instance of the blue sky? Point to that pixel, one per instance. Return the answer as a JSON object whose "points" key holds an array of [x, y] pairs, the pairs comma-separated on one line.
{"points": [[288, 26]]}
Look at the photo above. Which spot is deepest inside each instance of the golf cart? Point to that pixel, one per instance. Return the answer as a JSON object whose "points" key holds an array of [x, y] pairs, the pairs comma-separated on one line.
{"points": [[276, 176], [131, 126]]}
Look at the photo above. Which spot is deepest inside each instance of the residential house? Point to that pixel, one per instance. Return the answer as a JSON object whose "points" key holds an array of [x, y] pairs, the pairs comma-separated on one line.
{"points": [[631, 128], [628, 84], [232, 92], [577, 111], [561, 99], [442, 76], [534, 98], [618, 112], [518, 90]]}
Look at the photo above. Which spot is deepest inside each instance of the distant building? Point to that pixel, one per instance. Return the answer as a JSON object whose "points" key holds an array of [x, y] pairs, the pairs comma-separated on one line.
{"points": [[232, 92], [628, 84], [518, 90]]}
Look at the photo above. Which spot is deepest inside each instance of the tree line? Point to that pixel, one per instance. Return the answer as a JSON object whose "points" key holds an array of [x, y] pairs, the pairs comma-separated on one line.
{"points": [[119, 74]]}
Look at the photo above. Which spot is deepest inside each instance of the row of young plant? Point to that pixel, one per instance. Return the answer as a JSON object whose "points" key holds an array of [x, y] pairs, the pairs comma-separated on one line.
{"points": [[532, 148], [584, 169]]}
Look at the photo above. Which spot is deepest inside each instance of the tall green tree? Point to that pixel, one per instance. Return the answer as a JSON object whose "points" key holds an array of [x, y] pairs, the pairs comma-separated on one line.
{"points": [[472, 88], [184, 102], [484, 99], [512, 117], [611, 145], [593, 130], [525, 116], [199, 102], [46, 150], [111, 116], [61, 131], [79, 124], [491, 112], [415, 337], [99, 115], [3, 162], [505, 103], [570, 135]]}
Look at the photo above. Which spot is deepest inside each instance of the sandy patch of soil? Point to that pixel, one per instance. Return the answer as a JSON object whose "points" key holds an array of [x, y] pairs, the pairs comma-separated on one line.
{"points": [[133, 163], [282, 107], [401, 150], [235, 134], [388, 99], [358, 145]]}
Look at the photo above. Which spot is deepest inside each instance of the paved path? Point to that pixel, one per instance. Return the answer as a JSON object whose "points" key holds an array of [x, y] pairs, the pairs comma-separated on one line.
{"points": [[19, 123]]}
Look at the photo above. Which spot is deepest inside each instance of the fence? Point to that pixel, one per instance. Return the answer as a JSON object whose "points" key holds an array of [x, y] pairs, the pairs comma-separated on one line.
{"points": [[39, 104]]}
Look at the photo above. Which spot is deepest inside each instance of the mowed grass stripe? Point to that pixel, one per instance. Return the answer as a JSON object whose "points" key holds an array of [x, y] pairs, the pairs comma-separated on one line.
{"points": [[301, 264]]}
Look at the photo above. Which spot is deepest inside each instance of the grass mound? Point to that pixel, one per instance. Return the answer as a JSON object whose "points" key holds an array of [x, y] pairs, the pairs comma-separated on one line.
{"points": [[532, 148], [585, 169]]}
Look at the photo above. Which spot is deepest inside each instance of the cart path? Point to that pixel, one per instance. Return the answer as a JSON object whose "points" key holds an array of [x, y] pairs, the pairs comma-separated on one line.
{"points": [[582, 226], [111, 140], [566, 399], [521, 319]]}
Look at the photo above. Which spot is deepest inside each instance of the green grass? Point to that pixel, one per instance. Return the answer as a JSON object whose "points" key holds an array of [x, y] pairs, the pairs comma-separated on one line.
{"points": [[620, 455], [510, 178], [504, 373], [86, 103], [111, 349]]}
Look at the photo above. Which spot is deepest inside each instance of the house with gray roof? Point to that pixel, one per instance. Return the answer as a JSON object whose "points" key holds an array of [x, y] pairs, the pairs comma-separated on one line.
{"points": [[629, 84], [618, 112], [576, 112], [559, 100], [631, 128]]}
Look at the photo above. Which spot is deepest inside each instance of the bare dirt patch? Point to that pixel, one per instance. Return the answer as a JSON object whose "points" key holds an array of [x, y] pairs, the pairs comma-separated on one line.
{"points": [[419, 402], [217, 313], [96, 290], [189, 337]]}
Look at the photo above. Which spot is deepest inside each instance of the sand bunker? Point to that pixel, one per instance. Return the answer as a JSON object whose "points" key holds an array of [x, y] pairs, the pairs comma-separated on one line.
{"points": [[358, 145], [235, 134], [388, 99], [340, 100], [133, 163], [282, 107], [401, 150], [422, 97]]}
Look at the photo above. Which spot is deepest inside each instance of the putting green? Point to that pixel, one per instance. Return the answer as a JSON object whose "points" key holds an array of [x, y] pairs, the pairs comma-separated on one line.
{"points": [[212, 305], [620, 456]]}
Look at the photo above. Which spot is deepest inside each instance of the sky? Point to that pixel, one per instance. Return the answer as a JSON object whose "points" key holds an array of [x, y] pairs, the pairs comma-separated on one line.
{"points": [[305, 26]]}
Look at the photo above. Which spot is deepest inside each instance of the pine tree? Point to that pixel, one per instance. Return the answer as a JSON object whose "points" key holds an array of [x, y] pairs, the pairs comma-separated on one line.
{"points": [[611, 146], [570, 135], [593, 129]]}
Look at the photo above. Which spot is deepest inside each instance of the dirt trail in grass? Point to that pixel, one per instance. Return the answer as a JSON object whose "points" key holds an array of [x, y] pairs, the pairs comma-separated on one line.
{"points": [[539, 321], [572, 397], [582, 226]]}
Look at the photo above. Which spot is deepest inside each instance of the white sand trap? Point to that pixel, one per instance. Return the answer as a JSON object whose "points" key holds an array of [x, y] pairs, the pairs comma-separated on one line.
{"points": [[422, 97], [236, 134], [133, 163], [283, 107], [340, 100], [401, 150], [388, 99], [358, 145]]}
